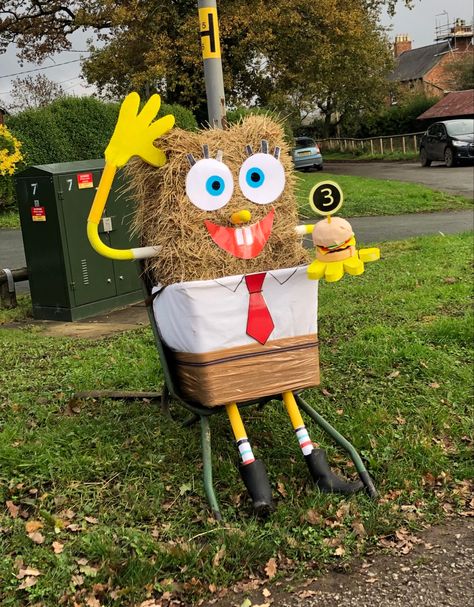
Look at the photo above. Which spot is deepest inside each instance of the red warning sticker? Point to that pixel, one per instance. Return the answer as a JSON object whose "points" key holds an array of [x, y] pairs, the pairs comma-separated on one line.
{"points": [[85, 180], [38, 213]]}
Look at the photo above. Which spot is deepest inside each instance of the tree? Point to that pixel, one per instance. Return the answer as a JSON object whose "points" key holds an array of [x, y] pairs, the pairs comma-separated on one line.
{"points": [[149, 45], [346, 72], [461, 72], [34, 92]]}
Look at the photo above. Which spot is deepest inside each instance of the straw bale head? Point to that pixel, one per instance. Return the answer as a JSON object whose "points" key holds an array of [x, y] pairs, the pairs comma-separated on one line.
{"points": [[223, 204]]}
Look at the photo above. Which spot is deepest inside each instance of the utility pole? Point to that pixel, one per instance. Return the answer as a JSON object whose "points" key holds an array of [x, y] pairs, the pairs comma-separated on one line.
{"points": [[211, 55]]}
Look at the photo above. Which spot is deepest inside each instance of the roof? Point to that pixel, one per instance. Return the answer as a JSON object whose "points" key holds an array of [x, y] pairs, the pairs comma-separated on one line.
{"points": [[460, 103], [414, 64]]}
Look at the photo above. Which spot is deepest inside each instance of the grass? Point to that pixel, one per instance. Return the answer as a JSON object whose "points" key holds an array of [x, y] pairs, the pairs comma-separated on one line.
{"points": [[118, 487], [9, 220], [355, 156], [364, 196]]}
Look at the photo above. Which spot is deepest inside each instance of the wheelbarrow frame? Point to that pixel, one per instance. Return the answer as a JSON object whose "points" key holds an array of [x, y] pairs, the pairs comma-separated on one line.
{"points": [[201, 414]]}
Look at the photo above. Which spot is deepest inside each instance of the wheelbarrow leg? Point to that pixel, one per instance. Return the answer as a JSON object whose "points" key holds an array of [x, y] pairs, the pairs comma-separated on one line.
{"points": [[342, 442], [207, 465]]}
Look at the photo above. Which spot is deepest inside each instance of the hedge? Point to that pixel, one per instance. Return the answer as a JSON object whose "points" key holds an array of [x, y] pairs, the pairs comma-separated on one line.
{"points": [[69, 129]]}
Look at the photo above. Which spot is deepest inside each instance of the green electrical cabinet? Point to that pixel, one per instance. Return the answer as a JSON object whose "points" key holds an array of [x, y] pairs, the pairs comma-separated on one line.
{"points": [[68, 279]]}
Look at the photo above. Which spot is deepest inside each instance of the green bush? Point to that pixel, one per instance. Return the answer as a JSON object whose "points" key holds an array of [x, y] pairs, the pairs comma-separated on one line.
{"points": [[69, 129]]}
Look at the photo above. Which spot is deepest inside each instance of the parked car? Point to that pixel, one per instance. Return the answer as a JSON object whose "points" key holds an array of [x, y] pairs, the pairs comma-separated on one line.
{"points": [[448, 140], [306, 154]]}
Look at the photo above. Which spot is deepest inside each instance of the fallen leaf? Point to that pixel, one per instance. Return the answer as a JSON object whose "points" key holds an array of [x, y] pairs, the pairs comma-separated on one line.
{"points": [[304, 594], [434, 385], [28, 572], [394, 374], [58, 547], [266, 593], [91, 519], [359, 528], [185, 488], [82, 561], [36, 537], [88, 570], [326, 392], [32, 526], [91, 601], [313, 517], [12, 509], [77, 580], [28, 582], [246, 603], [262, 605], [218, 556], [271, 568], [281, 489], [340, 551], [212, 588]]}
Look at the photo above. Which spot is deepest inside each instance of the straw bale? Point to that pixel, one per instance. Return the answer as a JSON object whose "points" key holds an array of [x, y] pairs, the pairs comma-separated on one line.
{"points": [[166, 217]]}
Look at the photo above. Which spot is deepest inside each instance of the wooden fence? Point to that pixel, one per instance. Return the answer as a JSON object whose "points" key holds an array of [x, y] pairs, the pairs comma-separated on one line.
{"points": [[408, 142]]}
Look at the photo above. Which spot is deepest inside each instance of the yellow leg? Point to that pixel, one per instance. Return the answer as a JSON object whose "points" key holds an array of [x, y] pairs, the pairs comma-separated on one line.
{"points": [[297, 422], [240, 435]]}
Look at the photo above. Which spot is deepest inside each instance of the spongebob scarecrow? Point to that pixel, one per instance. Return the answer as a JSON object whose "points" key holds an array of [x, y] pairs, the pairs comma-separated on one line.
{"points": [[235, 300]]}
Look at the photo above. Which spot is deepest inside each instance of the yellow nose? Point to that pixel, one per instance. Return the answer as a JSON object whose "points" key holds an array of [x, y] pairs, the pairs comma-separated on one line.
{"points": [[239, 217]]}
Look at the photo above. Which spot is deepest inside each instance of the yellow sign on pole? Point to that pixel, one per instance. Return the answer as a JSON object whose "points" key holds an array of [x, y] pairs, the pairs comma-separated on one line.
{"points": [[209, 32]]}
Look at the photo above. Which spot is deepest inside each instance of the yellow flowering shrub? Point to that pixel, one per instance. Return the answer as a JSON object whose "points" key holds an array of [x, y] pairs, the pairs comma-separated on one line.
{"points": [[10, 152]]}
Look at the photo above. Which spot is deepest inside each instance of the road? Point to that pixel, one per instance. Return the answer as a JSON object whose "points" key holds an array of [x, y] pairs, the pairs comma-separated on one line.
{"points": [[457, 180]]}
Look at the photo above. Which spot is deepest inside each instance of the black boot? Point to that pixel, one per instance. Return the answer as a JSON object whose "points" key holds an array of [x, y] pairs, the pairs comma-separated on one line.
{"points": [[255, 479], [325, 479]]}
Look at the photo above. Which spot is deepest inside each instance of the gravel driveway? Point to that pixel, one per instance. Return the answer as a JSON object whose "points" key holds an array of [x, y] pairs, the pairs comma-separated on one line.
{"points": [[438, 572]]}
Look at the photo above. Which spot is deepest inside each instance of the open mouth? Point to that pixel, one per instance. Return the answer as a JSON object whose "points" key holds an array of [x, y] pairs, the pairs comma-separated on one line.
{"points": [[246, 242]]}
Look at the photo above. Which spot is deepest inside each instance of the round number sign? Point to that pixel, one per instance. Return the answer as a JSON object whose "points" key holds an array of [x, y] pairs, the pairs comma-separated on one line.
{"points": [[326, 198]]}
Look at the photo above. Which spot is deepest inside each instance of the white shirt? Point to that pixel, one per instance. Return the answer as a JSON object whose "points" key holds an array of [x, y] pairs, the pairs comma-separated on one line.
{"points": [[208, 315]]}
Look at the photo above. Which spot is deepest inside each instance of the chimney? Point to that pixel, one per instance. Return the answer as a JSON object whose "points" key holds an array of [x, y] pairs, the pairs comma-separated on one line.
{"points": [[401, 45]]}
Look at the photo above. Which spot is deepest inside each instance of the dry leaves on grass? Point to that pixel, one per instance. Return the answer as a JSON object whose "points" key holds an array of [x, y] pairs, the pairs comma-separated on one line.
{"points": [[32, 526], [402, 542], [271, 568], [12, 508], [57, 547], [36, 537]]}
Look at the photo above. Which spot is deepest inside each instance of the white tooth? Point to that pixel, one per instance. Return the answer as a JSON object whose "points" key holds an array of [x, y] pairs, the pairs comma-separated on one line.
{"points": [[239, 237], [248, 236]]}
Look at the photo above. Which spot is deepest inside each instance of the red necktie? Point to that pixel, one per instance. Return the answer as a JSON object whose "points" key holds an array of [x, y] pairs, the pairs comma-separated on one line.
{"points": [[259, 320]]}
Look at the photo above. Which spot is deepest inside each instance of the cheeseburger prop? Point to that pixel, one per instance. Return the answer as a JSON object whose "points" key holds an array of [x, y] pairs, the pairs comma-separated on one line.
{"points": [[235, 295]]}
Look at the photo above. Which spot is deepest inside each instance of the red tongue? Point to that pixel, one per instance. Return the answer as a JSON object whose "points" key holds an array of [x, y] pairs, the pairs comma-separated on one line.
{"points": [[237, 243]]}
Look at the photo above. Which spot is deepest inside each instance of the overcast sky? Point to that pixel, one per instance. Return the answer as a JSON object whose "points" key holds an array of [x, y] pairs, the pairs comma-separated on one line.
{"points": [[419, 23]]}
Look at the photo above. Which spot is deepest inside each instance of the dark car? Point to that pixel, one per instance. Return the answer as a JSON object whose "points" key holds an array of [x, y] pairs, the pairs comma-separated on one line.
{"points": [[449, 140], [306, 154]]}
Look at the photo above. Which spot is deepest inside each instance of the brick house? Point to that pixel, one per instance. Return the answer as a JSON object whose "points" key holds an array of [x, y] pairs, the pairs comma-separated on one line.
{"points": [[424, 69]]}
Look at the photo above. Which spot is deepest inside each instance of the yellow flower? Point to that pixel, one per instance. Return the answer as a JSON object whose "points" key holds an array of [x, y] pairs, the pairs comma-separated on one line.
{"points": [[10, 152]]}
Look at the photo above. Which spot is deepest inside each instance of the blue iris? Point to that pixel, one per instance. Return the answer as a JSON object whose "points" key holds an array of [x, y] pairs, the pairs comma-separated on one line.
{"points": [[255, 177], [215, 185]]}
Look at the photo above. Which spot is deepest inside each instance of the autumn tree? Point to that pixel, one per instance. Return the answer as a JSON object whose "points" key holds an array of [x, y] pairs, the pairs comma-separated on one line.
{"points": [[154, 46], [32, 92], [461, 72]]}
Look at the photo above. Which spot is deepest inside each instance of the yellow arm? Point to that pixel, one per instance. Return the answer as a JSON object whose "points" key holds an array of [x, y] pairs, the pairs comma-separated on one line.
{"points": [[304, 228], [133, 135]]}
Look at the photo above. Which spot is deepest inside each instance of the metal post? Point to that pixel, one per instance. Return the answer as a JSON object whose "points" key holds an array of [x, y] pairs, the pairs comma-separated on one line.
{"points": [[211, 54]]}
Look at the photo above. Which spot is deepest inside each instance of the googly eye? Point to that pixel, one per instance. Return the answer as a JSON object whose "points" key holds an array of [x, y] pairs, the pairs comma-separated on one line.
{"points": [[262, 178], [209, 184]]}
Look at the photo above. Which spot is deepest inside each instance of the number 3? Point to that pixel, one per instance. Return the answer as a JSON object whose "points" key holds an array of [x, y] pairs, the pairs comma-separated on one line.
{"points": [[329, 196]]}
